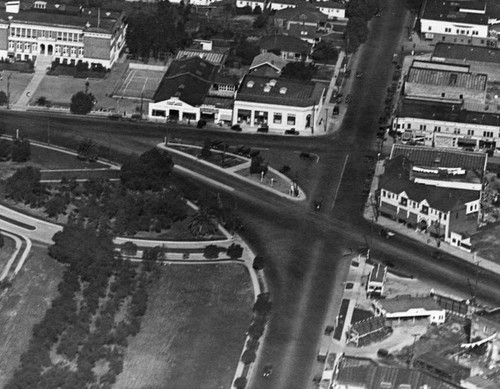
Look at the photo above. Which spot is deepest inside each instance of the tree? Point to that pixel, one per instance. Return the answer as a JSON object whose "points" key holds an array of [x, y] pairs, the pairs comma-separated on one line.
{"points": [[299, 71], [3, 98], [129, 248], [87, 150], [356, 33], [55, 206], [24, 185], [206, 151], [20, 150], [325, 52], [248, 357], [82, 103], [361, 8], [42, 101], [258, 165], [234, 251], [258, 262], [202, 224], [240, 383], [211, 251], [247, 51], [156, 253]]}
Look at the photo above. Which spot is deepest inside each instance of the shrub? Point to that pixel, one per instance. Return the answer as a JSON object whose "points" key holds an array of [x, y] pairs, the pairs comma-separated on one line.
{"points": [[234, 251], [248, 357], [240, 383], [211, 251], [258, 262], [129, 248]]}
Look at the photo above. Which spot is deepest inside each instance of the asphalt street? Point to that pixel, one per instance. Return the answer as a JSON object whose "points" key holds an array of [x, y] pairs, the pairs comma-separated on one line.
{"points": [[304, 249]]}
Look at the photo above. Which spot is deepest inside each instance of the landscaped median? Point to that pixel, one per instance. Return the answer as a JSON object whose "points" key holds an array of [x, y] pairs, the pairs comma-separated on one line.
{"points": [[251, 168]]}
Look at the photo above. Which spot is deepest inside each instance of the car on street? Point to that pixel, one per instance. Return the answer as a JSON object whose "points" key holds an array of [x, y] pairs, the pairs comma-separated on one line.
{"points": [[348, 99], [263, 128], [291, 131], [386, 233], [359, 75], [268, 371], [236, 127]]}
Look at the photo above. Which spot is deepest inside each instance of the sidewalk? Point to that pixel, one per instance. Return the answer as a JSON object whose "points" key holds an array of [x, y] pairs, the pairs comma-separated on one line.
{"points": [[419, 236]]}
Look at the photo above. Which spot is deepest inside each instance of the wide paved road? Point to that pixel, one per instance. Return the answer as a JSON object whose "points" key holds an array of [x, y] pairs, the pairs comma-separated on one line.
{"points": [[304, 249]]}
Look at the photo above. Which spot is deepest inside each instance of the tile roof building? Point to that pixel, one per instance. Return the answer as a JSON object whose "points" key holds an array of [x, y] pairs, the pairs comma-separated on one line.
{"points": [[191, 89], [291, 48], [277, 102], [267, 64], [441, 198], [59, 32]]}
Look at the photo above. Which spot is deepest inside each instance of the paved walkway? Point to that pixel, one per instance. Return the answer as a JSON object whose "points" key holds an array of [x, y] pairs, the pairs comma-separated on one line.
{"points": [[41, 65], [420, 236]]}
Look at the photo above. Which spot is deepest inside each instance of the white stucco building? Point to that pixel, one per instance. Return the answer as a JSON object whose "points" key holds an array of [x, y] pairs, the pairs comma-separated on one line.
{"points": [[280, 103], [406, 307]]}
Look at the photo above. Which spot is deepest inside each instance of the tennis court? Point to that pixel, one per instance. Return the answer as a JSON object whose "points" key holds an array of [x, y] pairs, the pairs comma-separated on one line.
{"points": [[137, 83]]}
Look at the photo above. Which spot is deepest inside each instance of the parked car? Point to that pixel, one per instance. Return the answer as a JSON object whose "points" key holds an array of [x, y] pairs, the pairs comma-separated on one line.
{"points": [[115, 116], [263, 128], [306, 156], [335, 111], [268, 371], [386, 233], [236, 127], [359, 75], [291, 131]]}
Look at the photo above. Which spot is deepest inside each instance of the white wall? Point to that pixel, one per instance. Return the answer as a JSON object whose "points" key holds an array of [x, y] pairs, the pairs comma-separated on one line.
{"points": [[450, 28]]}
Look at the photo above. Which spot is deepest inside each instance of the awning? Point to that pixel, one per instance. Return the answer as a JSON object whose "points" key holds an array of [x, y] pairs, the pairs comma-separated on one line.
{"points": [[466, 142], [412, 218], [402, 214], [388, 209], [422, 224], [226, 117]]}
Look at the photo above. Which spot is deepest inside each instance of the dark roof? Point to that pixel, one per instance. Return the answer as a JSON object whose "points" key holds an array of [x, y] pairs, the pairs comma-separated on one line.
{"points": [[256, 88], [447, 78], [442, 364], [107, 20], [364, 372], [449, 10], [378, 272], [306, 12], [397, 179], [285, 43], [188, 79], [467, 53], [219, 102], [426, 156], [329, 4], [493, 314], [448, 112], [302, 31]]}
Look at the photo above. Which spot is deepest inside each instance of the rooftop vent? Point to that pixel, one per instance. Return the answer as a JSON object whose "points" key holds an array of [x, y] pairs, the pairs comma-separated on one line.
{"points": [[272, 82], [250, 84], [283, 90], [108, 14], [57, 6], [267, 89]]}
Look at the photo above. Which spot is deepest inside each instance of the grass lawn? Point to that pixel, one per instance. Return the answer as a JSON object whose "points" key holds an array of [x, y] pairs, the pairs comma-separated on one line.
{"points": [[215, 157], [24, 305], [17, 83], [193, 331]]}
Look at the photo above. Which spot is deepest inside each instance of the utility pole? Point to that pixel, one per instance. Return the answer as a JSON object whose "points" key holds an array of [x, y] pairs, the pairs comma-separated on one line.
{"points": [[48, 131]]}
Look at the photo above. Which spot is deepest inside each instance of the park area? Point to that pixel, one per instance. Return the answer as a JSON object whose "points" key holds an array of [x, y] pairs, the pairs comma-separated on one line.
{"points": [[194, 329], [23, 305]]}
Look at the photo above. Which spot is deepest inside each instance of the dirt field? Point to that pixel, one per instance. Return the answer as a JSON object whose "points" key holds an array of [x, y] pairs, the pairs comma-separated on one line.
{"points": [[193, 331], [23, 306]]}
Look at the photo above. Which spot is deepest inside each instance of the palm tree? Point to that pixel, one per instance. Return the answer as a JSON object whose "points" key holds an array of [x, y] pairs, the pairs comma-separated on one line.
{"points": [[203, 223]]}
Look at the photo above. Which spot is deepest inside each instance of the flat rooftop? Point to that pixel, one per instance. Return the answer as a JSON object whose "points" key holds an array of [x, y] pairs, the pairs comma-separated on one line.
{"points": [[447, 112], [449, 10], [467, 53], [449, 79]]}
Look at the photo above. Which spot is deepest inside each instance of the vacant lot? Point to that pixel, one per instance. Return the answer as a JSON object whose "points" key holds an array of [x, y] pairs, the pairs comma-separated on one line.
{"points": [[24, 305], [194, 329]]}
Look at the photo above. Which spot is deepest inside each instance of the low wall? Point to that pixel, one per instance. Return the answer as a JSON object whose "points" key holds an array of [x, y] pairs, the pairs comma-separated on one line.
{"points": [[143, 66]]}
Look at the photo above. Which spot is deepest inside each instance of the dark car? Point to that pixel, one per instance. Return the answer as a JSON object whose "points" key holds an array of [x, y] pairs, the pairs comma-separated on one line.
{"points": [[263, 128], [291, 131], [268, 370], [359, 75], [335, 111], [115, 116], [236, 127]]}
